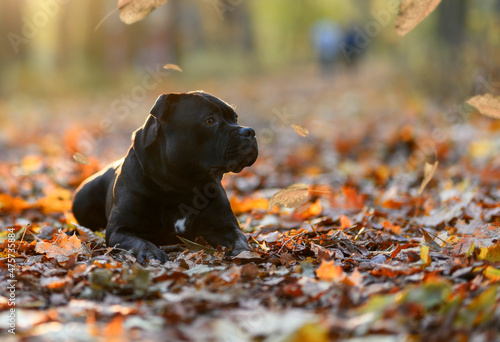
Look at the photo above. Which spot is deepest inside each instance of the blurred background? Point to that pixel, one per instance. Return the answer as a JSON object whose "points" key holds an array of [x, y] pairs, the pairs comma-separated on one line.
{"points": [[77, 79]]}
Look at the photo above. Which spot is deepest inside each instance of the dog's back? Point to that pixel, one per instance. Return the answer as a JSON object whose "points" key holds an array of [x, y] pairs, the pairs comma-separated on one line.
{"points": [[89, 202]]}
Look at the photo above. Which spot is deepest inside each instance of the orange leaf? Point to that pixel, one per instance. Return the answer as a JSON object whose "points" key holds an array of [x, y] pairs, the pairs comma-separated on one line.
{"points": [[62, 248], [328, 271], [312, 209], [345, 222], [57, 201], [247, 204], [14, 204]]}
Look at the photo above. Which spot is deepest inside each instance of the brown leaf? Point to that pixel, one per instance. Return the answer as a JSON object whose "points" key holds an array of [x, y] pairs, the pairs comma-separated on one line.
{"points": [[412, 12], [487, 104], [172, 67], [290, 197], [62, 248], [429, 170], [81, 158], [300, 130], [132, 11], [195, 247]]}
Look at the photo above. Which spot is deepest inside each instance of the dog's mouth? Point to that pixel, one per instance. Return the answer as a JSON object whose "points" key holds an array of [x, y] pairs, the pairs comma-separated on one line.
{"points": [[237, 158]]}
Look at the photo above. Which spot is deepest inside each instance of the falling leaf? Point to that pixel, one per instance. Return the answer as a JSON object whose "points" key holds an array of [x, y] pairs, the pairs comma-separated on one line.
{"points": [[62, 248], [81, 158], [172, 67], [487, 104], [412, 12], [429, 170], [132, 11], [290, 197], [300, 130], [328, 271]]}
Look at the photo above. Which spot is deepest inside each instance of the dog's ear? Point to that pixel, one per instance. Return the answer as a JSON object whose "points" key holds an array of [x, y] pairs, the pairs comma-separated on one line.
{"points": [[160, 107], [148, 133]]}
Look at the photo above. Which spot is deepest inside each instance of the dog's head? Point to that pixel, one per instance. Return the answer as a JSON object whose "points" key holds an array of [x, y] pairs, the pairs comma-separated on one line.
{"points": [[193, 135]]}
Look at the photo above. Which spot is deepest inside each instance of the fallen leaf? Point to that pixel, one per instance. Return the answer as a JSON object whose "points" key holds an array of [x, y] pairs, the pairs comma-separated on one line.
{"points": [[487, 104], [81, 158], [492, 273], [62, 248], [132, 11], [424, 255], [412, 12], [429, 170], [328, 271], [172, 67], [57, 201], [345, 222], [195, 247], [14, 204], [290, 197], [300, 130], [490, 253]]}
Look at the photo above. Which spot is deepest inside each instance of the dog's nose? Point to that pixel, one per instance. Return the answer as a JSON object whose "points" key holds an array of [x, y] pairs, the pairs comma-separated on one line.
{"points": [[247, 132]]}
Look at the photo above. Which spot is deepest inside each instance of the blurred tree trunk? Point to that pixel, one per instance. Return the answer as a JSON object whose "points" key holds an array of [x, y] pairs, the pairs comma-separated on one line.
{"points": [[452, 21]]}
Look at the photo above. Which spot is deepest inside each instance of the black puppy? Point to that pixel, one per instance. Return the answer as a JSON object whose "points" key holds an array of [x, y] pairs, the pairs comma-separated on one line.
{"points": [[169, 183]]}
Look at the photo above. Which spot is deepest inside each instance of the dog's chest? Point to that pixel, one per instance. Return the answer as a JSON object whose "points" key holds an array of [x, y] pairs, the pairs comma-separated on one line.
{"points": [[173, 221]]}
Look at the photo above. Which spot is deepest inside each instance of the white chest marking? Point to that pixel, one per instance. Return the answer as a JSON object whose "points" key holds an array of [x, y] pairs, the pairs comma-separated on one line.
{"points": [[180, 226]]}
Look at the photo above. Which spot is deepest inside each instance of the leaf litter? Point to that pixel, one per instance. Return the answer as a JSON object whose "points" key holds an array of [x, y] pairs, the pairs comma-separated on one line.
{"points": [[348, 248]]}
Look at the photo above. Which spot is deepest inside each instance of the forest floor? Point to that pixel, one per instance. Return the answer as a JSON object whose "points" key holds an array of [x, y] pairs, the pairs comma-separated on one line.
{"points": [[367, 257]]}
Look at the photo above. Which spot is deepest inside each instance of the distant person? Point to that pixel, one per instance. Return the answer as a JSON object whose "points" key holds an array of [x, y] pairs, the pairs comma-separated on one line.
{"points": [[326, 36], [353, 44]]}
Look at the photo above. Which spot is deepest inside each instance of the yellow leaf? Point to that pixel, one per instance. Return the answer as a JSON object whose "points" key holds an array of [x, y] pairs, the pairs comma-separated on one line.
{"points": [[290, 197], [81, 158], [172, 67], [487, 104], [311, 332], [490, 253], [300, 130], [132, 11], [492, 273], [412, 12], [424, 255], [429, 170], [328, 271]]}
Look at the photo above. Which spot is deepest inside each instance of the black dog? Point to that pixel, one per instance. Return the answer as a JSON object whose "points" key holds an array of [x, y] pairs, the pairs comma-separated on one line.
{"points": [[169, 183]]}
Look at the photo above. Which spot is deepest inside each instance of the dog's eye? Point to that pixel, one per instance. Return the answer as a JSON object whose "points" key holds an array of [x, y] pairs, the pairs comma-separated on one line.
{"points": [[209, 121]]}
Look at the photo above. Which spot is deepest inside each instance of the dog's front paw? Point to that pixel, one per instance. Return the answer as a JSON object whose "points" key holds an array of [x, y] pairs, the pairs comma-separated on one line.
{"points": [[239, 245], [150, 252]]}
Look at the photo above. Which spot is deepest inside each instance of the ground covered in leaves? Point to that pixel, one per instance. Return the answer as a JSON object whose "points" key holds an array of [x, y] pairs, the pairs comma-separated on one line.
{"points": [[372, 252]]}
